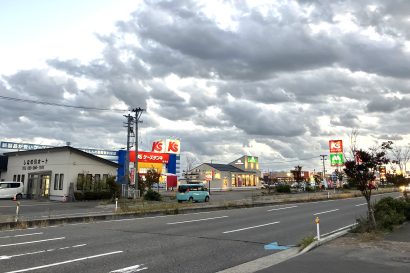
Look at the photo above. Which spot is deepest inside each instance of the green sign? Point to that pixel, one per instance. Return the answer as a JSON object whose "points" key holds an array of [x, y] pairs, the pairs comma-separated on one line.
{"points": [[252, 159], [337, 159]]}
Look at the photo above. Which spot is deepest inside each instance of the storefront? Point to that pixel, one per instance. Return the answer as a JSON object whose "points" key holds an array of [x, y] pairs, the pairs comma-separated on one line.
{"points": [[240, 174], [53, 173]]}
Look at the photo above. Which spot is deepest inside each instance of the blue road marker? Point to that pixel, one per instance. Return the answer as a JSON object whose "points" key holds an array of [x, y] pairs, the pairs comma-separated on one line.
{"points": [[275, 246]]}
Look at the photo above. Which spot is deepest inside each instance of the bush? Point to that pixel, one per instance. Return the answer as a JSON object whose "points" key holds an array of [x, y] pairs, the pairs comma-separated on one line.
{"points": [[310, 189], [152, 195], [283, 188], [90, 195], [78, 195], [389, 212]]}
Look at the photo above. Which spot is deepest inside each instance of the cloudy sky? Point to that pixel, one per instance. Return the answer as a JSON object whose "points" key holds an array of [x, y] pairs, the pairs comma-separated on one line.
{"points": [[273, 79]]}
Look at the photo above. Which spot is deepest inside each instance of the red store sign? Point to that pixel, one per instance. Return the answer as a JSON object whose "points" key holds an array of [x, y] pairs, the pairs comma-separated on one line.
{"points": [[336, 146], [149, 157]]}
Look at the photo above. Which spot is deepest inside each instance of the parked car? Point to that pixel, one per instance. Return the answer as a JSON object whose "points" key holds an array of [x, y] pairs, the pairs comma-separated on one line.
{"points": [[11, 190], [192, 192]]}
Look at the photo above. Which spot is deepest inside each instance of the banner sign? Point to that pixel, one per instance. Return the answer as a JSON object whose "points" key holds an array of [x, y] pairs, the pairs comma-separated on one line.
{"points": [[252, 159], [337, 159], [149, 157], [336, 146], [169, 146]]}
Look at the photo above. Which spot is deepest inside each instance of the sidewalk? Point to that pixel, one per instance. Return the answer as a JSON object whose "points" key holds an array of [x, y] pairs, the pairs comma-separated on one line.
{"points": [[352, 253]]}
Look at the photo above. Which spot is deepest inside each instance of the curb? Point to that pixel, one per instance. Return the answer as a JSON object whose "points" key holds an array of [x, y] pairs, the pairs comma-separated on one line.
{"points": [[330, 237]]}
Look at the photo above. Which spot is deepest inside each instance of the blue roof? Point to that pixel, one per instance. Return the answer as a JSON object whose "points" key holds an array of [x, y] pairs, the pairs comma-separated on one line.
{"points": [[225, 168]]}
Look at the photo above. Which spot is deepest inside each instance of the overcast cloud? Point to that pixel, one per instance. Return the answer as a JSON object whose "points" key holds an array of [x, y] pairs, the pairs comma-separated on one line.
{"points": [[275, 80]]}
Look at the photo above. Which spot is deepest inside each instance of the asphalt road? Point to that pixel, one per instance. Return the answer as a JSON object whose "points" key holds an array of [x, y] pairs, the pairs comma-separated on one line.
{"points": [[198, 242]]}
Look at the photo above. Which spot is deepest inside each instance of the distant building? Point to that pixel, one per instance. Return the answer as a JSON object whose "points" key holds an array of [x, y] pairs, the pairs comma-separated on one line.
{"points": [[239, 174]]}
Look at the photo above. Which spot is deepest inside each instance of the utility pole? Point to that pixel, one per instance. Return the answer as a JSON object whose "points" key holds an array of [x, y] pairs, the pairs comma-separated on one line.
{"points": [[138, 112], [324, 168], [130, 131]]}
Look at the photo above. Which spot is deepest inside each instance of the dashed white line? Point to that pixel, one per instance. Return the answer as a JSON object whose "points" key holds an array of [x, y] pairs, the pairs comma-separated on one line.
{"points": [[360, 205], [197, 220], [283, 208], [323, 212], [65, 262], [5, 257], [130, 269], [230, 231], [21, 235], [33, 242]]}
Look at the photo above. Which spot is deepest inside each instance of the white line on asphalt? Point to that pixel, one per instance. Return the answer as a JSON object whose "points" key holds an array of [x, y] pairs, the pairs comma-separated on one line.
{"points": [[197, 220], [21, 235], [323, 212], [230, 231], [130, 269], [33, 242], [361, 204], [5, 257], [65, 262], [283, 208], [79, 245]]}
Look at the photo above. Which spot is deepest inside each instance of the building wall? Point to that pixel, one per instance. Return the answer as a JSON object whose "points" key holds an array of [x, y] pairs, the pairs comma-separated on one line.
{"points": [[62, 162]]}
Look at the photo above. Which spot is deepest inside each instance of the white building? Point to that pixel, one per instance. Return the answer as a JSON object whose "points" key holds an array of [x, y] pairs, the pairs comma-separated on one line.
{"points": [[53, 173]]}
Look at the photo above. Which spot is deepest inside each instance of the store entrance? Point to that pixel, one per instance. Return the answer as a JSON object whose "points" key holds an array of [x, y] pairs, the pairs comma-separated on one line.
{"points": [[39, 185]]}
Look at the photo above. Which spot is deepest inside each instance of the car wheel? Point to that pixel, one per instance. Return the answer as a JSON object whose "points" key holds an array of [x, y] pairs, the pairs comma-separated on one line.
{"points": [[191, 199], [207, 199], [179, 201], [19, 196]]}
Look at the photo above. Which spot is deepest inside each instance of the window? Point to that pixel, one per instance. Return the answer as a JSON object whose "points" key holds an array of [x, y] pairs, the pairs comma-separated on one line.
{"points": [[56, 181], [18, 178], [14, 185], [61, 181], [14, 177], [80, 181], [97, 182], [105, 178], [88, 181], [22, 178]]}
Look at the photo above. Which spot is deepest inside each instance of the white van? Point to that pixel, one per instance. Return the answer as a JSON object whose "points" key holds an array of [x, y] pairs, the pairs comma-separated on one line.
{"points": [[11, 189]]}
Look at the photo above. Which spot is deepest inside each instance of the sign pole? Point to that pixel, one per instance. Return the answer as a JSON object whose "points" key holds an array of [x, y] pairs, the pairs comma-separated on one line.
{"points": [[317, 228]]}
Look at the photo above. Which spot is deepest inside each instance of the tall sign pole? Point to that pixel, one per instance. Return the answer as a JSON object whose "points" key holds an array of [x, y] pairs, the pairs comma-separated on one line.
{"points": [[138, 112]]}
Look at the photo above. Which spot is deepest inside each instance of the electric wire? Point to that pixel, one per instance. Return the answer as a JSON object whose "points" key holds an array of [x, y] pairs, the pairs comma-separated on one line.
{"points": [[63, 105], [287, 161]]}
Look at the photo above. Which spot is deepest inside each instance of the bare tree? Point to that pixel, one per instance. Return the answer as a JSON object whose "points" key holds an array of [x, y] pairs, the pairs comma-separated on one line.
{"points": [[400, 157], [353, 142]]}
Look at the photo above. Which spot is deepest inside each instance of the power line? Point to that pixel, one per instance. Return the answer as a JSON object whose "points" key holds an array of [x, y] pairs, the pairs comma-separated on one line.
{"points": [[63, 105], [287, 161]]}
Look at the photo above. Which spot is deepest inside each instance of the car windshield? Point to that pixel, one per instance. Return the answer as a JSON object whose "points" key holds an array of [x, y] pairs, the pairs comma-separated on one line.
{"points": [[182, 188]]}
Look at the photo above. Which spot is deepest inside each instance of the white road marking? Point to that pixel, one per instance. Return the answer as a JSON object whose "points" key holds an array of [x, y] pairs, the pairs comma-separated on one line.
{"points": [[198, 220], [33, 242], [65, 262], [130, 269], [230, 231], [5, 257], [361, 204], [21, 235], [283, 208], [323, 212], [79, 245]]}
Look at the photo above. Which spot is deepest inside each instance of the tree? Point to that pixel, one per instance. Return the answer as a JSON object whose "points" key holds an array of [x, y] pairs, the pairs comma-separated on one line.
{"points": [[152, 177], [297, 174], [361, 172]]}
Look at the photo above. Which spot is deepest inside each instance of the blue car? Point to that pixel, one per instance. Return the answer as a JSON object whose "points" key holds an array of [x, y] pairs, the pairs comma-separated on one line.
{"points": [[192, 193]]}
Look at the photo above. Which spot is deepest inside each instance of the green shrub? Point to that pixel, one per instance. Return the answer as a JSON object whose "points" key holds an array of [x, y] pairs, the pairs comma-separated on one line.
{"points": [[283, 188], [152, 195], [78, 195], [306, 241], [310, 189], [389, 212], [90, 195]]}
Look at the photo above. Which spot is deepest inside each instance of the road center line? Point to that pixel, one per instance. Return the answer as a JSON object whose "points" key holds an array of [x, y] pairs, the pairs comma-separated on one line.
{"points": [[65, 262], [361, 204], [230, 231], [21, 235], [198, 220], [130, 269], [33, 242], [283, 208], [326, 211], [5, 257]]}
